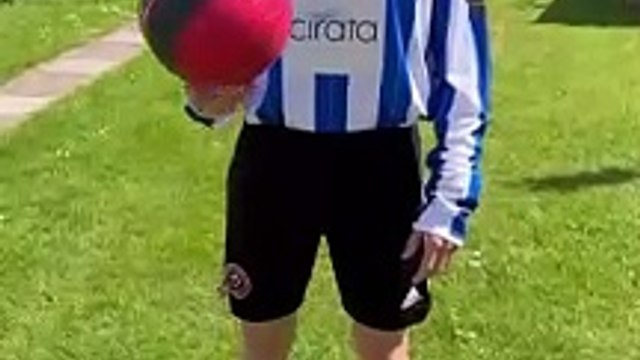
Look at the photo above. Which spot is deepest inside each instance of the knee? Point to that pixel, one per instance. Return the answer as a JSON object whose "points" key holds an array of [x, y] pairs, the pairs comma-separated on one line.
{"points": [[269, 340], [372, 344]]}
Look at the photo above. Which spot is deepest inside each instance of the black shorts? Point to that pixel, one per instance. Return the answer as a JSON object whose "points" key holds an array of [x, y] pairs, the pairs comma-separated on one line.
{"points": [[288, 188]]}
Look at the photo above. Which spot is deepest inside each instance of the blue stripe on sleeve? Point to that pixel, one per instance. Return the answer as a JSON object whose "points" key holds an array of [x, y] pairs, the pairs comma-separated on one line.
{"points": [[442, 93], [477, 17], [395, 90], [481, 39], [459, 225]]}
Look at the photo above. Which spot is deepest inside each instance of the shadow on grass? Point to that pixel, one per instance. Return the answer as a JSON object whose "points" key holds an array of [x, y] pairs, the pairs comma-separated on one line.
{"points": [[574, 182], [592, 13]]}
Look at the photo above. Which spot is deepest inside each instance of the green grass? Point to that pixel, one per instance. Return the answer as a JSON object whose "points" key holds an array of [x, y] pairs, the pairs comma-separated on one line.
{"points": [[34, 30], [111, 220]]}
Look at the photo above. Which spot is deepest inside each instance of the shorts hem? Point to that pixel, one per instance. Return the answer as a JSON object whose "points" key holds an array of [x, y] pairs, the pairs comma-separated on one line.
{"points": [[403, 320], [263, 318]]}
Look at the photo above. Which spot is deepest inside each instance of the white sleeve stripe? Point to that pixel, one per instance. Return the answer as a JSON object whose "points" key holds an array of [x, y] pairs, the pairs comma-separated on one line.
{"points": [[461, 117]]}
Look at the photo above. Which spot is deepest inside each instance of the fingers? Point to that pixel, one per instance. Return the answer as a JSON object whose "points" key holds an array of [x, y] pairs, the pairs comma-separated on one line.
{"points": [[433, 254], [436, 258], [439, 256], [442, 253], [446, 260], [216, 91], [229, 92], [422, 272], [205, 95], [413, 244]]}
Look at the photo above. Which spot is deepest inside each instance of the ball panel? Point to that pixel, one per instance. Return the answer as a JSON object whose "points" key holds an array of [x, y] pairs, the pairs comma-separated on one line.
{"points": [[162, 21], [216, 42]]}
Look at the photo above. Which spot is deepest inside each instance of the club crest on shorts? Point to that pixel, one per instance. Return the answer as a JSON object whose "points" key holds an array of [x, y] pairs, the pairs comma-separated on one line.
{"points": [[236, 282]]}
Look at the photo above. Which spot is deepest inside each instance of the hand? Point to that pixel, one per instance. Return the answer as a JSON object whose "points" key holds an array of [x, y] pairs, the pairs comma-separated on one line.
{"points": [[436, 255], [217, 102]]}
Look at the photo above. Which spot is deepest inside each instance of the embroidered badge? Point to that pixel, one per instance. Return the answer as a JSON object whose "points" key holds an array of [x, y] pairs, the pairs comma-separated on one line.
{"points": [[236, 282]]}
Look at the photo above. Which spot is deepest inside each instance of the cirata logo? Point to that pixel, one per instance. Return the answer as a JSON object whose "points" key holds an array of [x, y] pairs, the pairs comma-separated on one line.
{"points": [[364, 31]]}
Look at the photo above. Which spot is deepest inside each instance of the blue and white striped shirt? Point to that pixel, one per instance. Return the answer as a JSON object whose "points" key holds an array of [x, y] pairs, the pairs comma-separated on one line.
{"points": [[354, 65]]}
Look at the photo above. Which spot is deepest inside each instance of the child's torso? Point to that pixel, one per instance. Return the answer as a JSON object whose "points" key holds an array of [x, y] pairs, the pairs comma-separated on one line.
{"points": [[347, 59]]}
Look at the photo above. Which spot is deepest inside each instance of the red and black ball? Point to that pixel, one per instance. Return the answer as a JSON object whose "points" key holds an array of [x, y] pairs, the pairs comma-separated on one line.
{"points": [[216, 42]]}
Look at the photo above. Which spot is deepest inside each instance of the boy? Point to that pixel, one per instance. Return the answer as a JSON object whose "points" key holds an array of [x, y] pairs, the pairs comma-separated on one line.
{"points": [[329, 148]]}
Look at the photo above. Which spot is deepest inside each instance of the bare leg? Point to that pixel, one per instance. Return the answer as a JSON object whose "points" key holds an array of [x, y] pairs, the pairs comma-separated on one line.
{"points": [[269, 340], [372, 344]]}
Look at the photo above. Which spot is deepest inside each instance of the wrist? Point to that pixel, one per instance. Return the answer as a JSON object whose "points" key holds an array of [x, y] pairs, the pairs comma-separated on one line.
{"points": [[443, 219], [208, 120]]}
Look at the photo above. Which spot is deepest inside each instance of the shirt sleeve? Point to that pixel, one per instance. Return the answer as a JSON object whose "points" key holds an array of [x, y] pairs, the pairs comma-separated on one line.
{"points": [[458, 59]]}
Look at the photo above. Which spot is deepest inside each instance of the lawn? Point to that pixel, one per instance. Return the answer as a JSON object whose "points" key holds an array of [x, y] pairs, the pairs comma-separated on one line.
{"points": [[34, 30], [111, 218]]}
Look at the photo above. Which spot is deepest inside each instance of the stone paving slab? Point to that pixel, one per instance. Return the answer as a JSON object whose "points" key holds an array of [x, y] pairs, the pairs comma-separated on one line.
{"points": [[104, 50], [15, 110], [38, 83], [128, 34], [86, 67], [17, 105], [40, 86]]}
